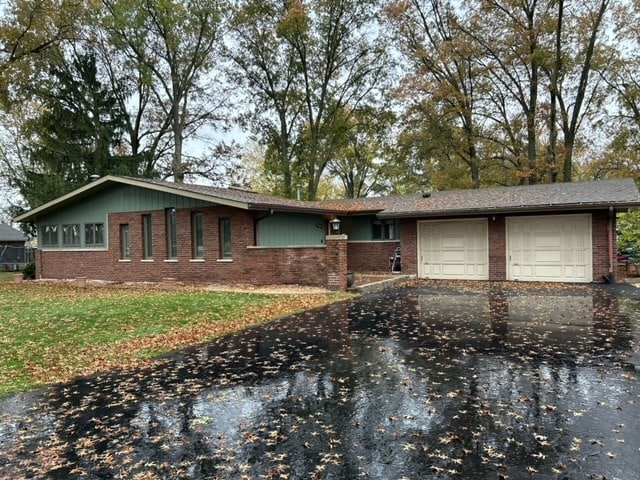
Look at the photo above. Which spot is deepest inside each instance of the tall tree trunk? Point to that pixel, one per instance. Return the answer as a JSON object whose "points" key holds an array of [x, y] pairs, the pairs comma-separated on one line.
{"points": [[532, 136], [284, 160], [176, 164], [472, 154], [553, 90], [571, 131]]}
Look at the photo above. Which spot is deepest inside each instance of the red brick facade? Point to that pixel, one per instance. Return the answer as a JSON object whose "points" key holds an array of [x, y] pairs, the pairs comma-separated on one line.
{"points": [[249, 264], [600, 244], [409, 245], [497, 247], [370, 256], [324, 266], [336, 262]]}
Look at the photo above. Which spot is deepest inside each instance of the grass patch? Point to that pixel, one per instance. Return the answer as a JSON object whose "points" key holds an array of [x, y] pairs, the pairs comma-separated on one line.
{"points": [[6, 277], [54, 332]]}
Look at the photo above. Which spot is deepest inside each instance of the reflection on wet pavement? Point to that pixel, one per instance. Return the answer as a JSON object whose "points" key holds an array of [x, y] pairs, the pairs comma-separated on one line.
{"points": [[454, 381]]}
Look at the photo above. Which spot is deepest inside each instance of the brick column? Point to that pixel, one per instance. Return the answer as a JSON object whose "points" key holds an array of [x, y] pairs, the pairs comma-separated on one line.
{"points": [[497, 247], [336, 262]]}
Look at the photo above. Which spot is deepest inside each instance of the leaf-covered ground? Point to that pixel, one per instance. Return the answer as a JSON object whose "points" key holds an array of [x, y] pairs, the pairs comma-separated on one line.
{"points": [[52, 332], [442, 381], [6, 277]]}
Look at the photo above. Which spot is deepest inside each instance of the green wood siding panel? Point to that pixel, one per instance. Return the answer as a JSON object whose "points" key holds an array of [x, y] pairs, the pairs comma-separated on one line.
{"points": [[121, 198], [281, 230], [359, 228]]}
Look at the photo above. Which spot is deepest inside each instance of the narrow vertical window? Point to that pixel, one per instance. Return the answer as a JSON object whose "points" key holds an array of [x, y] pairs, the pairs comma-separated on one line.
{"points": [[172, 233], [225, 238], [125, 244], [197, 235], [147, 237]]}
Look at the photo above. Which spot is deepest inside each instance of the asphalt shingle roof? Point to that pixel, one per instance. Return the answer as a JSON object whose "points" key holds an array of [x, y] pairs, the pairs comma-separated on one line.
{"points": [[543, 197], [617, 192], [253, 199], [9, 234]]}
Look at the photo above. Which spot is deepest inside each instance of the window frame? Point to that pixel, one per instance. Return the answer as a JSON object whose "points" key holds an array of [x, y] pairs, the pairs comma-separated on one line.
{"points": [[226, 238], [71, 231], [387, 229], [197, 235], [147, 237], [171, 224], [45, 237], [125, 242], [97, 230]]}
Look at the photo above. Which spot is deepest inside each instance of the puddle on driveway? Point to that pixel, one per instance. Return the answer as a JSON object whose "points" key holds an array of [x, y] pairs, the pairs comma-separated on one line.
{"points": [[440, 382]]}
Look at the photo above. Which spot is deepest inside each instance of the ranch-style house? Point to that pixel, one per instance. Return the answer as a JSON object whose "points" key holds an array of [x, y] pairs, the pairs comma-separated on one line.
{"points": [[138, 230]]}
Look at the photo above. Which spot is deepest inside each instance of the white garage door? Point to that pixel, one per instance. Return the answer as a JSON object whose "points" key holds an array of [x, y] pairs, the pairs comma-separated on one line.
{"points": [[553, 248], [453, 250]]}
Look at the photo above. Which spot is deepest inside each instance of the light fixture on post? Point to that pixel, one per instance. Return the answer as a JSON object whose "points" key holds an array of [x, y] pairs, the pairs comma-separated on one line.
{"points": [[335, 226]]}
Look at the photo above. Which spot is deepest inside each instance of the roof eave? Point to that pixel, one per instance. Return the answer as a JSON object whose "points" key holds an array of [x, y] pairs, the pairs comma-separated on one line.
{"points": [[295, 209], [33, 214], [508, 210]]}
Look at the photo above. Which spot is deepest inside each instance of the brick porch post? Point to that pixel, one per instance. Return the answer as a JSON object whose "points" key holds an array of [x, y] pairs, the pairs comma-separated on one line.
{"points": [[336, 262]]}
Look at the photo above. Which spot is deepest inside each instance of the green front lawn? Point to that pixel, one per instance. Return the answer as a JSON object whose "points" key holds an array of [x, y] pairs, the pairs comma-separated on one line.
{"points": [[7, 276], [54, 332]]}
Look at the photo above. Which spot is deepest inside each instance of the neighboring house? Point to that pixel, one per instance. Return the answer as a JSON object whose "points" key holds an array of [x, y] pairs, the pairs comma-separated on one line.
{"points": [[12, 248], [126, 229]]}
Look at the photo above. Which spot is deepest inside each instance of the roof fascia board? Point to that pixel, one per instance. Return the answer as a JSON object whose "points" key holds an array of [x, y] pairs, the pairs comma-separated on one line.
{"points": [[302, 209], [52, 203]]}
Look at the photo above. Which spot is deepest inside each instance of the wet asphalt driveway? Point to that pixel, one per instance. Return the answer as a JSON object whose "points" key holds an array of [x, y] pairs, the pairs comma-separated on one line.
{"points": [[428, 381]]}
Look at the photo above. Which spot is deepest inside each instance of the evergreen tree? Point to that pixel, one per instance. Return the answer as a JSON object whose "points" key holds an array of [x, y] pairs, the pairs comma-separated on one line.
{"points": [[76, 135]]}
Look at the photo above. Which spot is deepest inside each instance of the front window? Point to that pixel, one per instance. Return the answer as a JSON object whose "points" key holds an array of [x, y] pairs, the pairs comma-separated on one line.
{"points": [[125, 244], [147, 237], [71, 235], [197, 234], [93, 234], [225, 238], [383, 230], [50, 236], [172, 233]]}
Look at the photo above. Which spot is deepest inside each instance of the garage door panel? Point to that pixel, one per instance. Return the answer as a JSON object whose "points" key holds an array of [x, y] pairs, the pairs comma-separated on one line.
{"points": [[547, 256], [454, 249], [452, 257], [554, 248], [546, 240]]}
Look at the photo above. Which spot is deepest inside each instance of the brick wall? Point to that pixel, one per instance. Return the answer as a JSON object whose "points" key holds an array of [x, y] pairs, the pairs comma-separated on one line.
{"points": [[249, 264], [497, 247], [336, 262], [600, 244], [408, 243], [370, 256], [262, 265]]}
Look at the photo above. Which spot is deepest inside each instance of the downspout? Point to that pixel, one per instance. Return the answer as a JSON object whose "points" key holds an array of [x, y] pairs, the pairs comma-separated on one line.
{"points": [[612, 277]]}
